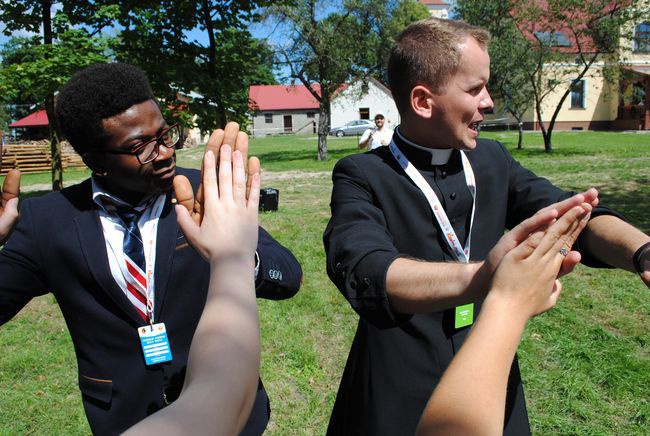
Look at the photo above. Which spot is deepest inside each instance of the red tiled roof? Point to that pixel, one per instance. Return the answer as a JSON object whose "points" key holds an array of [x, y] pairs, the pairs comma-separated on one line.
{"points": [[282, 97], [36, 119], [547, 24]]}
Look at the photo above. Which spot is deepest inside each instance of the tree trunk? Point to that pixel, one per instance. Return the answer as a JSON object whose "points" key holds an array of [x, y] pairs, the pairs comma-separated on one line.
{"points": [[323, 129], [55, 145], [548, 146], [55, 136], [520, 127]]}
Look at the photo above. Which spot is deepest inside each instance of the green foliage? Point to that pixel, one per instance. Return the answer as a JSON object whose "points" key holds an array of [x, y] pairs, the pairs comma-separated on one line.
{"points": [[155, 37]]}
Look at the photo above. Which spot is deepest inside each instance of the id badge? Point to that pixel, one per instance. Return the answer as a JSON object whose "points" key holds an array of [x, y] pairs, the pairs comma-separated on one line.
{"points": [[464, 316], [155, 345]]}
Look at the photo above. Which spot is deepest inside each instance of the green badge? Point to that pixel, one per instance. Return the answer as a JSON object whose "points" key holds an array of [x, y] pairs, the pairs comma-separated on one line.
{"points": [[464, 315]]}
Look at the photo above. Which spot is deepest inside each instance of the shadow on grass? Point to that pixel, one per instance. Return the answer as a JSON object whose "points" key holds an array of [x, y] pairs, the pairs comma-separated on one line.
{"points": [[633, 204]]}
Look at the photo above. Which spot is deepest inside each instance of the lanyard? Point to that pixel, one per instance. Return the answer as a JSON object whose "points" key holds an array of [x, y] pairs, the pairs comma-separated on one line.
{"points": [[461, 253]]}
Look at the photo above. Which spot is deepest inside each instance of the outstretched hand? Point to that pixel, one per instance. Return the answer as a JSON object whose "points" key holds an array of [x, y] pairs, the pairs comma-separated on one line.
{"points": [[526, 278], [227, 225], [238, 141], [539, 222], [9, 203]]}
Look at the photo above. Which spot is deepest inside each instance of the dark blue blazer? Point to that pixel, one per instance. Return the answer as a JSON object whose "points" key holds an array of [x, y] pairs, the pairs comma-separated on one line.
{"points": [[58, 246]]}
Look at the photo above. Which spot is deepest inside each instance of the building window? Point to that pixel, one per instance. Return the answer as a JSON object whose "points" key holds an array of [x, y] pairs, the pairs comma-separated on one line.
{"points": [[311, 114], [642, 37], [364, 113], [268, 118], [578, 94], [553, 39]]}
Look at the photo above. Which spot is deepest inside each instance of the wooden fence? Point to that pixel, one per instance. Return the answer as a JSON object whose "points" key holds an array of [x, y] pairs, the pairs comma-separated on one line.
{"points": [[35, 156]]}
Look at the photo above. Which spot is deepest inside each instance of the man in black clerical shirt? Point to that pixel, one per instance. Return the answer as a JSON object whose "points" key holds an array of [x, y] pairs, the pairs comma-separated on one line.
{"points": [[416, 232]]}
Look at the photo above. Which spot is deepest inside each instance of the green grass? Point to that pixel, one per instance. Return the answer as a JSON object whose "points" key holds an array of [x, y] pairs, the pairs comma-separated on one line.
{"points": [[585, 364]]}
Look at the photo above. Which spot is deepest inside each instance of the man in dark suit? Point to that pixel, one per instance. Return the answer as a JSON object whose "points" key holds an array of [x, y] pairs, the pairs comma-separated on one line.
{"points": [[111, 252], [417, 232]]}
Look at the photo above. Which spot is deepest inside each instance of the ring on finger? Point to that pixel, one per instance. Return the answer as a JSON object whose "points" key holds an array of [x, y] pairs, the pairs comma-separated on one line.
{"points": [[564, 250]]}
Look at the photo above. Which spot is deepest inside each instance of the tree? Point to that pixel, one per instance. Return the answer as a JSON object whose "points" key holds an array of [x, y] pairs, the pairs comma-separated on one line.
{"points": [[325, 45], [162, 38], [564, 38], [41, 66]]}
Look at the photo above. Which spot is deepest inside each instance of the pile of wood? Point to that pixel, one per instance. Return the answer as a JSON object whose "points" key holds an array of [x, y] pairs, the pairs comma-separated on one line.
{"points": [[35, 157]]}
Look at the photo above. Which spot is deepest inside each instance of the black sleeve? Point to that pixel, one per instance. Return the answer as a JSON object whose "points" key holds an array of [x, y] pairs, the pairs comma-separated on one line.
{"points": [[279, 275], [359, 247], [20, 270]]}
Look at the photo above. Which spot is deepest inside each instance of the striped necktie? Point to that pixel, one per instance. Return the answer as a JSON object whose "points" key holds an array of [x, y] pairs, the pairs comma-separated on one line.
{"points": [[136, 279]]}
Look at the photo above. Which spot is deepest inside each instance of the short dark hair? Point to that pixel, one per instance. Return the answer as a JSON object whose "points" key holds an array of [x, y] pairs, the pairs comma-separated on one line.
{"points": [[379, 117], [428, 53], [95, 93]]}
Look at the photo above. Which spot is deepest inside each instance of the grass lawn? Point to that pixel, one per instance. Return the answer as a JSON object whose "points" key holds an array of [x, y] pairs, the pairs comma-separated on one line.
{"points": [[586, 364]]}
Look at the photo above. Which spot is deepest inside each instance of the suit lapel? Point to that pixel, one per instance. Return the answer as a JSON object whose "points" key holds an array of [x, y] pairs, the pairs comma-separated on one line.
{"points": [[93, 246]]}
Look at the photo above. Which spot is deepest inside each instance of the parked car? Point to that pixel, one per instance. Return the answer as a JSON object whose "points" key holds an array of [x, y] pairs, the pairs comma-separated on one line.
{"points": [[352, 128]]}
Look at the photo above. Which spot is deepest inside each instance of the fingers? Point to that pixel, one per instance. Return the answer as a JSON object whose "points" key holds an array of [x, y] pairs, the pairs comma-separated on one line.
{"points": [[215, 141], [253, 168], [564, 206], [569, 263], [532, 224], [239, 178], [225, 173], [8, 218], [209, 176], [241, 143], [564, 231], [184, 193], [11, 186], [591, 197], [189, 227], [254, 192]]}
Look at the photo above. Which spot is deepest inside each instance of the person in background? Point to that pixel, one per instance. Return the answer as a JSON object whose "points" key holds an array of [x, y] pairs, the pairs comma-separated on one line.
{"points": [[129, 286], [377, 137]]}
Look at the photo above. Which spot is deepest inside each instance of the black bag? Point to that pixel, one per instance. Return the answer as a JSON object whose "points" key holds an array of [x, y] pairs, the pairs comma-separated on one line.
{"points": [[269, 198]]}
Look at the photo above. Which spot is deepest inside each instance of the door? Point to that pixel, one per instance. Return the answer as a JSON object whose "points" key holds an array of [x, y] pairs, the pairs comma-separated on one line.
{"points": [[288, 124]]}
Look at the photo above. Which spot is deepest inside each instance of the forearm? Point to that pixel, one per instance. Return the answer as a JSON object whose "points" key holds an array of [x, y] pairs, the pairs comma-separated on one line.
{"points": [[613, 241], [470, 398], [415, 286], [223, 364]]}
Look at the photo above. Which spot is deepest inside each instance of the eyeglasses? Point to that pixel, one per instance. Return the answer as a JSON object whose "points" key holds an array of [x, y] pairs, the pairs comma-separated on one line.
{"points": [[148, 151]]}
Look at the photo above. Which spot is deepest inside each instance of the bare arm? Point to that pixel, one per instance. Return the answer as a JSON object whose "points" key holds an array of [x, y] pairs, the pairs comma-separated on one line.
{"points": [[424, 287], [470, 398], [614, 242], [223, 365], [366, 138]]}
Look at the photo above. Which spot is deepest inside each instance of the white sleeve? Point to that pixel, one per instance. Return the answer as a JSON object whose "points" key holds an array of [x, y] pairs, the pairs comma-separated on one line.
{"points": [[365, 136]]}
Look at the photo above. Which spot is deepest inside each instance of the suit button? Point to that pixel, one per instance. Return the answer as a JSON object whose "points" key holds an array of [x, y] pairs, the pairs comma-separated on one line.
{"points": [[452, 195], [443, 174], [353, 284], [338, 265], [366, 281]]}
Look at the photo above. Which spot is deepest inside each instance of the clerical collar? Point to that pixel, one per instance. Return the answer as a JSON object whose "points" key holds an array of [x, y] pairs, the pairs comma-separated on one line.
{"points": [[439, 156]]}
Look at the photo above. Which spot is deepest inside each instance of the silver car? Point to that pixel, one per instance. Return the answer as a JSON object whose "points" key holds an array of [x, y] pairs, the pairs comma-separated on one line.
{"points": [[355, 127]]}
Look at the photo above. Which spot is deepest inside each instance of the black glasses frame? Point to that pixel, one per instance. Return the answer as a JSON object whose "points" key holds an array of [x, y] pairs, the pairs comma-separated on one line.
{"points": [[156, 151]]}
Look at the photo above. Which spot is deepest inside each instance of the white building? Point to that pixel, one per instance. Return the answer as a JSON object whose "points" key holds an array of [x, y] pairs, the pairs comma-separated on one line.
{"points": [[352, 103]]}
